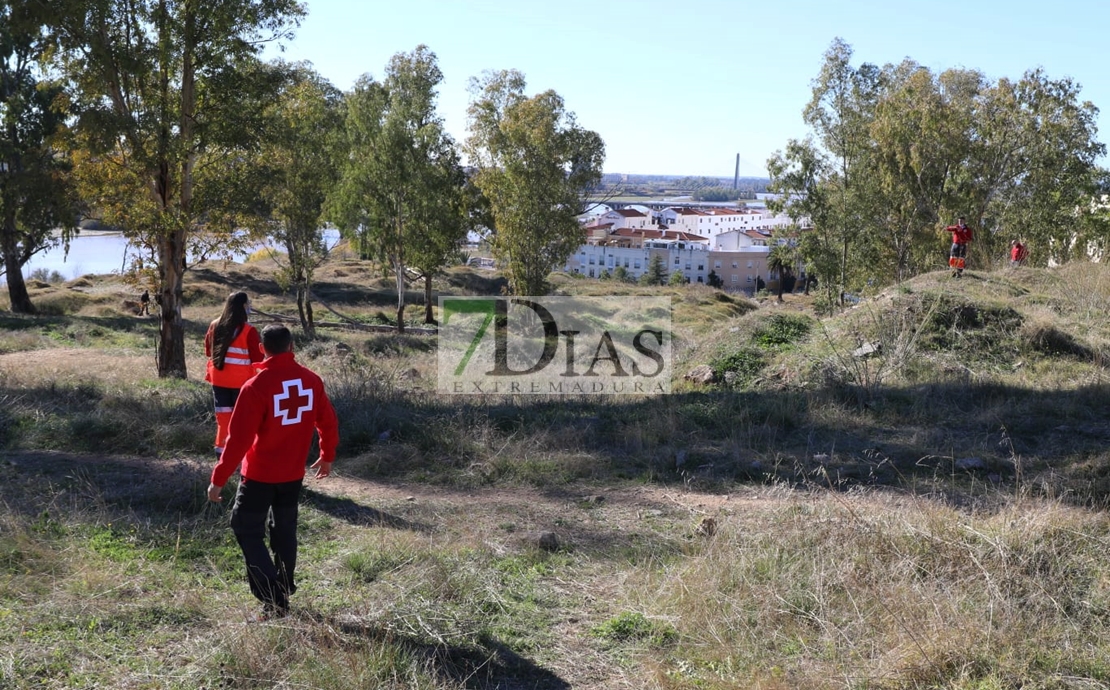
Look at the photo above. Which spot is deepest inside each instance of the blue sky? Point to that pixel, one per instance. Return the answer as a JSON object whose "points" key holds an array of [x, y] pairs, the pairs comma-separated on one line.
{"points": [[682, 86]]}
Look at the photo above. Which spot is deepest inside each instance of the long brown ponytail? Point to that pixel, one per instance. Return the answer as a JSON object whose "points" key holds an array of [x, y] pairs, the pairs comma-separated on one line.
{"points": [[231, 321]]}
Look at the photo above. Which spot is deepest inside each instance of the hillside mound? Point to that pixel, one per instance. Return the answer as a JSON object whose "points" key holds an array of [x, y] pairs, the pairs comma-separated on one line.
{"points": [[1006, 327]]}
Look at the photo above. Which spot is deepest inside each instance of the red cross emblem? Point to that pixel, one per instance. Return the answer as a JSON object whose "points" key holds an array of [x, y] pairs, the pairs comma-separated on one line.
{"points": [[292, 402]]}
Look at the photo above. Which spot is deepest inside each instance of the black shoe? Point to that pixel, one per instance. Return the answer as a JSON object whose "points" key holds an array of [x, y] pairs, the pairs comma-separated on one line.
{"points": [[271, 612]]}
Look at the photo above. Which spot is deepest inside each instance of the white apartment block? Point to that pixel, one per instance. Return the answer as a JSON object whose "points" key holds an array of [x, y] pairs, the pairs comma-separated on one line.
{"points": [[692, 258], [738, 270], [712, 222], [732, 243]]}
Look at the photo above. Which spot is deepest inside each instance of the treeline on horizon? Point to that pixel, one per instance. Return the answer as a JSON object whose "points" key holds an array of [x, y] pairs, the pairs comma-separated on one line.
{"points": [[700, 188]]}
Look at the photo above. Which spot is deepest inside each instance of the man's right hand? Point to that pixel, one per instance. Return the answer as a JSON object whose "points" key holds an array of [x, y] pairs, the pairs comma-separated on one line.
{"points": [[322, 468]]}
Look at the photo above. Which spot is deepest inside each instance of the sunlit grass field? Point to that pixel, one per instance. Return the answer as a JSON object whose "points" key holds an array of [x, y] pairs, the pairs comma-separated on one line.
{"points": [[928, 511]]}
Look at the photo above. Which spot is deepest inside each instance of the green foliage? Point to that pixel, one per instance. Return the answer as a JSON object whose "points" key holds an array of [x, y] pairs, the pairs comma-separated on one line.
{"points": [[899, 152], [298, 167], [403, 197], [633, 626], [171, 110], [782, 330], [715, 194], [537, 168], [676, 278], [47, 276], [745, 363], [656, 273], [37, 194]]}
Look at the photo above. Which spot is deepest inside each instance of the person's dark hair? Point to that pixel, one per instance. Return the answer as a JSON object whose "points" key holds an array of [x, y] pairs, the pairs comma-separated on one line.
{"points": [[276, 339], [231, 321]]}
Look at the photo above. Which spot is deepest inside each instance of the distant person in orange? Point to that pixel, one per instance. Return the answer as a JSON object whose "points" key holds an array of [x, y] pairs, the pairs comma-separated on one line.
{"points": [[233, 348], [1018, 252], [961, 237]]}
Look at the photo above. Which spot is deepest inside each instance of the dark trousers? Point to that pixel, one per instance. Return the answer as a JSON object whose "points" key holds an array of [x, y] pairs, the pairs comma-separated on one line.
{"points": [[259, 505]]}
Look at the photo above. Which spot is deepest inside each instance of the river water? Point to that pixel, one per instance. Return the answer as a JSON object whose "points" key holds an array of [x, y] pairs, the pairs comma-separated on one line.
{"points": [[97, 253]]}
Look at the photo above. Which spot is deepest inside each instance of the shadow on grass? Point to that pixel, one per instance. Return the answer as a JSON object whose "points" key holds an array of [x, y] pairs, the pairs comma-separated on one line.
{"points": [[489, 665], [356, 513], [162, 490]]}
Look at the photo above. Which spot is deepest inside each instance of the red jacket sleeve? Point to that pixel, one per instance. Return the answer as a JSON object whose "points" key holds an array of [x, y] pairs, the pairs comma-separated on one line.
{"points": [[245, 422], [254, 344], [327, 425]]}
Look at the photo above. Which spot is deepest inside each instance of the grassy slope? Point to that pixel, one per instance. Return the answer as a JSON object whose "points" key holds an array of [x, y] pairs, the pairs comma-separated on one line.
{"points": [[807, 523]]}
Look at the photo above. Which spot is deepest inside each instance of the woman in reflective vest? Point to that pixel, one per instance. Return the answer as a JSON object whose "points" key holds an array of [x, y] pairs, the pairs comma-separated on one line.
{"points": [[232, 346]]}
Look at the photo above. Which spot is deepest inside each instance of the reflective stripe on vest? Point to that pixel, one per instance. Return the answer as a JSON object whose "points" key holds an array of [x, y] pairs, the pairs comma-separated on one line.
{"points": [[236, 369], [244, 360]]}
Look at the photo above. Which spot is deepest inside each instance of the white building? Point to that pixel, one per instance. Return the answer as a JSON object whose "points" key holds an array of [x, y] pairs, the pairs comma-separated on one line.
{"points": [[736, 240], [626, 218], [712, 222], [691, 258]]}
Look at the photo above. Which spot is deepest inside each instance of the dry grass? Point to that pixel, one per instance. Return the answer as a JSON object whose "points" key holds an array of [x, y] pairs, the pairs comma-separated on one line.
{"points": [[929, 517]]}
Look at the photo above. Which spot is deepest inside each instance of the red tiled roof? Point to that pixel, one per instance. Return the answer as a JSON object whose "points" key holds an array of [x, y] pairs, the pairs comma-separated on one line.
{"points": [[657, 234]]}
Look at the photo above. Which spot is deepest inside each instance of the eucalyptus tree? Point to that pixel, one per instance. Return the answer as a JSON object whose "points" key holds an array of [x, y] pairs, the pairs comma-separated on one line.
{"points": [[171, 95], [36, 191], [456, 208], [900, 152], [399, 195], [800, 176], [537, 167], [298, 166], [1037, 167], [840, 112], [920, 138]]}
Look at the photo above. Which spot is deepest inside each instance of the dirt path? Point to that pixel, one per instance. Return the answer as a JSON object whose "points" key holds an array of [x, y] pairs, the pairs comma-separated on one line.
{"points": [[592, 523]]}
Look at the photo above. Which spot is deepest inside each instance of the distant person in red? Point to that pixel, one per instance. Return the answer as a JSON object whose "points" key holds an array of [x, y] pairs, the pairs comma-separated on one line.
{"points": [[1018, 252], [232, 347], [961, 236], [277, 413]]}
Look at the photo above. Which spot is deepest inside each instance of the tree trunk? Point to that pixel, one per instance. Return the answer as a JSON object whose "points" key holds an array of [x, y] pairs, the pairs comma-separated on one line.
{"points": [[399, 271], [17, 288], [304, 310], [171, 332], [428, 317]]}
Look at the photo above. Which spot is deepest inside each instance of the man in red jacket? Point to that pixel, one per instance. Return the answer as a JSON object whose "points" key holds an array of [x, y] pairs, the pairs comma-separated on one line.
{"points": [[271, 431], [961, 236]]}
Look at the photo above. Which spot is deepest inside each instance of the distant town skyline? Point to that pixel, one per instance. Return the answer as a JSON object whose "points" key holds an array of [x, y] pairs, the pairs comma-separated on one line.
{"points": [[681, 88]]}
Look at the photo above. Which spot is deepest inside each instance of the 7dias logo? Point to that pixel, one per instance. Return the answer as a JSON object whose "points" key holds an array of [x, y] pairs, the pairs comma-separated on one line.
{"points": [[555, 345]]}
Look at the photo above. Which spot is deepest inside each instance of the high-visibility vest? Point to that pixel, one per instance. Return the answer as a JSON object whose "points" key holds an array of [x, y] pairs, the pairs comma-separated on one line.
{"points": [[237, 363]]}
